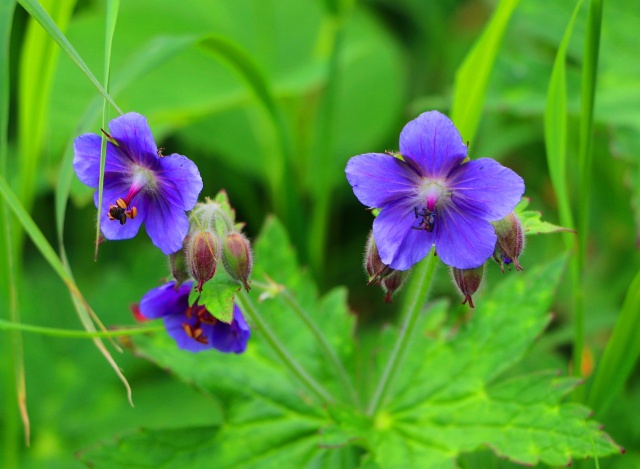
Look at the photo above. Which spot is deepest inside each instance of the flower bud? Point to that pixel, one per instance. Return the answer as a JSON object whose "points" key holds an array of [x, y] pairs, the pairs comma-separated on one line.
{"points": [[393, 282], [468, 281], [373, 265], [178, 264], [510, 241], [237, 258], [202, 256]]}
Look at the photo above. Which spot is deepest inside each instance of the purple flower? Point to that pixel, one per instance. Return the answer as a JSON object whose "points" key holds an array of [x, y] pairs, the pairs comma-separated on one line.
{"points": [[429, 196], [193, 327], [140, 184]]}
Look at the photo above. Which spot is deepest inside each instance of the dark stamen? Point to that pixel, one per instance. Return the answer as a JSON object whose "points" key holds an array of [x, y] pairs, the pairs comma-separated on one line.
{"points": [[428, 220]]}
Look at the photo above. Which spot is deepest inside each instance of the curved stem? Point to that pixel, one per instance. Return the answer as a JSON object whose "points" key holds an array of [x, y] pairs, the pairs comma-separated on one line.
{"points": [[68, 333], [416, 294], [311, 384], [325, 345]]}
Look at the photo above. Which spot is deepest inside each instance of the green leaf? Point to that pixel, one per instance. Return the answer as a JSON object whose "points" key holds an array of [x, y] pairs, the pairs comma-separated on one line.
{"points": [[266, 408], [217, 296], [449, 398], [532, 223]]}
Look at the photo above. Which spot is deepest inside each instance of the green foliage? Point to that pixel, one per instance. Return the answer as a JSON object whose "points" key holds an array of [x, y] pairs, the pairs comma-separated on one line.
{"points": [[449, 398], [472, 76], [532, 220]]}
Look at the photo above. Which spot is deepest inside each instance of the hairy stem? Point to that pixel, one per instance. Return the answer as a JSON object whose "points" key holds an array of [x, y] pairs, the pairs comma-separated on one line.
{"points": [[416, 294], [296, 369]]}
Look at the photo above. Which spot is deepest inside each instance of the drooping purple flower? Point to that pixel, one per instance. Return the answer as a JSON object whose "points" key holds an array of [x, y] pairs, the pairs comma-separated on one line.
{"points": [[429, 196], [140, 184], [193, 327]]}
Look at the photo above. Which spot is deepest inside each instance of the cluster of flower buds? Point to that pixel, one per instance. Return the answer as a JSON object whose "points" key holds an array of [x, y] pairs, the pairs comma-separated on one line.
{"points": [[213, 235], [508, 248], [380, 274]]}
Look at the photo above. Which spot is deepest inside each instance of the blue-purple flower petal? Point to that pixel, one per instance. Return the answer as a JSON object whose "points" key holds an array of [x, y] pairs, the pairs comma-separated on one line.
{"points": [[378, 179], [167, 225], [463, 240], [231, 338], [86, 159], [485, 188], [399, 245], [184, 177], [166, 300], [133, 134], [432, 144]]}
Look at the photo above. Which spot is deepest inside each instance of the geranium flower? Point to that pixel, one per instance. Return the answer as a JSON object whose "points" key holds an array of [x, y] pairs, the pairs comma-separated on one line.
{"points": [[429, 196], [140, 184], [193, 327]]}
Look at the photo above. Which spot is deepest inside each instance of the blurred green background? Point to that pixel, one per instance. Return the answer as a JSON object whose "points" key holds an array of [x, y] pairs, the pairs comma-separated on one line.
{"points": [[344, 78]]}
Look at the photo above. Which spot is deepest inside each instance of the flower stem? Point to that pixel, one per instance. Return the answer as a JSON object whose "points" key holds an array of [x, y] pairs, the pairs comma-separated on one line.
{"points": [[416, 293], [67, 333], [311, 384], [325, 345]]}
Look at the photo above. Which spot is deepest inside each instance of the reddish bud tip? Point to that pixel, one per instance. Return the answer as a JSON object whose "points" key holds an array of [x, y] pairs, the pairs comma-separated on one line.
{"points": [[467, 281], [510, 241], [237, 258], [202, 254]]}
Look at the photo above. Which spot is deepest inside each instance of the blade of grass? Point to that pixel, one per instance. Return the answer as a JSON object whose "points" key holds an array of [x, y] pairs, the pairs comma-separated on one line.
{"points": [[621, 353], [37, 65], [472, 77], [555, 139], [279, 165], [71, 334], [111, 19], [585, 161], [36, 11], [85, 312], [14, 375]]}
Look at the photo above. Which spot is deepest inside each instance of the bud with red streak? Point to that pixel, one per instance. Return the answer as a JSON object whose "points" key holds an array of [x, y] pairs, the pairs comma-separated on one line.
{"points": [[510, 241], [237, 257], [202, 252], [468, 281]]}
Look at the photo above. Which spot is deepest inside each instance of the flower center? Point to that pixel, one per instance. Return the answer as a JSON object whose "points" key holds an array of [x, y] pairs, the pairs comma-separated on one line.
{"points": [[202, 317], [120, 210], [429, 194]]}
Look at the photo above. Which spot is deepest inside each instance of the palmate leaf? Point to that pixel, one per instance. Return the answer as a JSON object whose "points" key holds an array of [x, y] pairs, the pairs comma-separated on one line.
{"points": [[448, 400], [270, 419], [450, 396]]}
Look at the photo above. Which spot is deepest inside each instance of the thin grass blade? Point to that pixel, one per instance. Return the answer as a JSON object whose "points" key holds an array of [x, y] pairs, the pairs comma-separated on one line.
{"points": [[621, 353], [34, 8], [472, 77], [112, 17]]}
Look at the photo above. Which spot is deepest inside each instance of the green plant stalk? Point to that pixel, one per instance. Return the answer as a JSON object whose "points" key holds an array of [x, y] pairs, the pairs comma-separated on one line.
{"points": [[38, 62], [472, 77], [279, 171], [13, 358], [585, 163], [296, 369], [34, 9], [332, 37], [61, 268], [71, 334], [112, 17], [328, 350], [621, 353], [416, 295]]}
